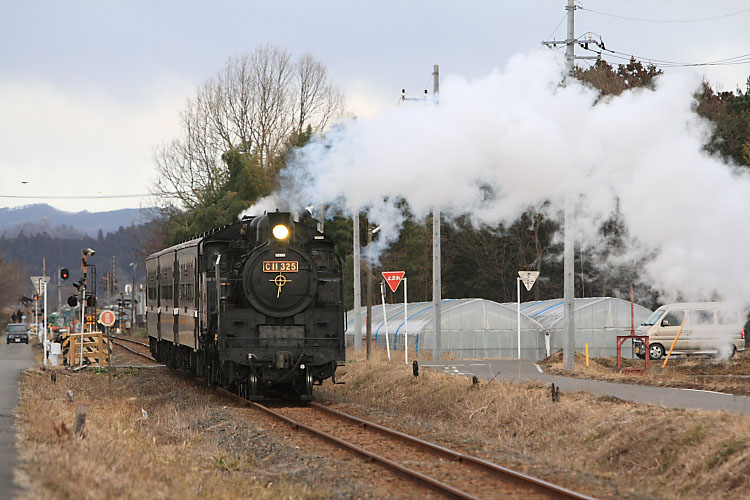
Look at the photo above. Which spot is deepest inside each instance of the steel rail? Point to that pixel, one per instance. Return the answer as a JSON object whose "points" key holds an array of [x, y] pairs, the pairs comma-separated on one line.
{"points": [[133, 350], [518, 478], [125, 339], [429, 481]]}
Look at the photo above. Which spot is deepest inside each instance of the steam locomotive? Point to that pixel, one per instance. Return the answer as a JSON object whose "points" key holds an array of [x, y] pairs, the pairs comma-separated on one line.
{"points": [[252, 306]]}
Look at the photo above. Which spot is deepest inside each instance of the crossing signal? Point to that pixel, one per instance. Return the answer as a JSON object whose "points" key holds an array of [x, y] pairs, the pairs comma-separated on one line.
{"points": [[64, 274]]}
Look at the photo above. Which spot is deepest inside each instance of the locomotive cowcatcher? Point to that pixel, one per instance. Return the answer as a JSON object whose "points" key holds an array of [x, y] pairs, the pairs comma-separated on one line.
{"points": [[251, 306]]}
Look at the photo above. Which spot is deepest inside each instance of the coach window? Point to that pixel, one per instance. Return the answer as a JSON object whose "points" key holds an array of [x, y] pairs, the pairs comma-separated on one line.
{"points": [[152, 286]]}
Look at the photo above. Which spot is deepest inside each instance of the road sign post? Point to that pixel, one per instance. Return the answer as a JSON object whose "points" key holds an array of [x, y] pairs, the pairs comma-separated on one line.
{"points": [[394, 279], [528, 278], [385, 319]]}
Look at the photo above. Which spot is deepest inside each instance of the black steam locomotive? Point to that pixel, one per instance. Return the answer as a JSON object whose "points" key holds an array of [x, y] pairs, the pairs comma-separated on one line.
{"points": [[251, 306]]}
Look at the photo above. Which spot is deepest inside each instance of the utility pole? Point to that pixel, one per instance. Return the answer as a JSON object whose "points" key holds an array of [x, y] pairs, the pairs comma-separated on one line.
{"points": [[59, 288], [568, 237], [134, 265], [369, 295], [436, 265], [569, 358], [437, 351], [357, 285]]}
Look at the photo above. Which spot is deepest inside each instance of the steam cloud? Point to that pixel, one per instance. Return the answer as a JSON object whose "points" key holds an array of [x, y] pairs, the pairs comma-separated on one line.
{"points": [[516, 138]]}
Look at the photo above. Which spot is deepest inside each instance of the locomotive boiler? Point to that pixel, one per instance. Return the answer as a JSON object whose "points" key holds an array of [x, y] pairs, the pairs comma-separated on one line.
{"points": [[251, 306]]}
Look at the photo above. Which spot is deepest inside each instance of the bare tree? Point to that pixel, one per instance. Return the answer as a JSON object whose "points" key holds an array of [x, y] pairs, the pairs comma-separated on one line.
{"points": [[255, 104]]}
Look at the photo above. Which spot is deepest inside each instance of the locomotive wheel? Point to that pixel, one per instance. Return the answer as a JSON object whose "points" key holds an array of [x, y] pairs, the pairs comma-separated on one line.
{"points": [[306, 388]]}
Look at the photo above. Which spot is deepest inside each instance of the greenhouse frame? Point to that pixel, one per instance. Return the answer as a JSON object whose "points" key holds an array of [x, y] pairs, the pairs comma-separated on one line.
{"points": [[479, 328]]}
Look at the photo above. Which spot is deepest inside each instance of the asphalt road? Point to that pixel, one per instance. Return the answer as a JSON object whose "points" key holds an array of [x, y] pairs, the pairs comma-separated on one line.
{"points": [[513, 370], [13, 359]]}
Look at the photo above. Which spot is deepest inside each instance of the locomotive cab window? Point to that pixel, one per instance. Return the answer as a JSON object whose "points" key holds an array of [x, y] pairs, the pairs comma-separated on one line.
{"points": [[321, 259]]}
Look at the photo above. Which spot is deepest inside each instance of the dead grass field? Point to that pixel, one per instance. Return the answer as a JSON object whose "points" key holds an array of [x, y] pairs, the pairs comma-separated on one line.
{"points": [[187, 446], [196, 444], [731, 376], [618, 448]]}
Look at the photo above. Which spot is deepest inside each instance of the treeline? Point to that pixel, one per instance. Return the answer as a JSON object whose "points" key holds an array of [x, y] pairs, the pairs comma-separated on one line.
{"points": [[228, 157], [26, 253]]}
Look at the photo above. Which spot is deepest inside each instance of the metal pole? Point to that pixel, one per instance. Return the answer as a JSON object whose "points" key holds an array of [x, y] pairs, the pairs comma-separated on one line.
{"points": [[385, 319], [357, 286], [569, 241], [518, 314], [569, 292], [369, 296], [59, 288], [132, 299], [569, 43], [83, 313], [436, 267], [44, 292], [406, 329]]}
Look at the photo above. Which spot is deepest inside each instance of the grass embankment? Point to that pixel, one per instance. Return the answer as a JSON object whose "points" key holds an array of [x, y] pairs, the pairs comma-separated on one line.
{"points": [[186, 445], [722, 375], [667, 453]]}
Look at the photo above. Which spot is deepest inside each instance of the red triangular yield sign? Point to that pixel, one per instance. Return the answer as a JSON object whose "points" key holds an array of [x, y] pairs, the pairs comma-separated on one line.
{"points": [[393, 278]]}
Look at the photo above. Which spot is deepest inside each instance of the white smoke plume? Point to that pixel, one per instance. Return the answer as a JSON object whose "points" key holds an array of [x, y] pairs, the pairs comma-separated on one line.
{"points": [[516, 138]]}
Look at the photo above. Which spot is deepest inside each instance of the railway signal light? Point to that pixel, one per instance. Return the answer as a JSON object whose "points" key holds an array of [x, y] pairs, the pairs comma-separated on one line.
{"points": [[72, 301], [64, 274]]}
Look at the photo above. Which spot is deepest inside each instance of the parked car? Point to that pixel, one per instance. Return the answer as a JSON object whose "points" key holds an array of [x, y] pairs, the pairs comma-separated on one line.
{"points": [[18, 332], [709, 328]]}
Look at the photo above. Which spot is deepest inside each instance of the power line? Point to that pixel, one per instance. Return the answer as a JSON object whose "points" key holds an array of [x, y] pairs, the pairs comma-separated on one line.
{"points": [[666, 20], [85, 197], [730, 61], [558, 25]]}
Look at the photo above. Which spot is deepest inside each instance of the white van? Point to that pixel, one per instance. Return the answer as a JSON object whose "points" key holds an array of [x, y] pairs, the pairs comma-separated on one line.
{"points": [[711, 328]]}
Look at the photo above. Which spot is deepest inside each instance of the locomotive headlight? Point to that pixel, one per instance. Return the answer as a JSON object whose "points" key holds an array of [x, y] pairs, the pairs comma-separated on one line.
{"points": [[280, 231]]}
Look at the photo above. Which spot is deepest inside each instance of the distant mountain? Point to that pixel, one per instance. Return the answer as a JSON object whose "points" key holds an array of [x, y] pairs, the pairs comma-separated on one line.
{"points": [[42, 218]]}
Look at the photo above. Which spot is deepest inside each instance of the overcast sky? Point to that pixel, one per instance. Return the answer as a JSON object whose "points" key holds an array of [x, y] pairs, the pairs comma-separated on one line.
{"points": [[88, 89]]}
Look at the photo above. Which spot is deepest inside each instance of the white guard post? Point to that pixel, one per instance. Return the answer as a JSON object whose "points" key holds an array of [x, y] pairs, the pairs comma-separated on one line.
{"points": [[385, 319], [518, 315], [44, 292], [406, 328]]}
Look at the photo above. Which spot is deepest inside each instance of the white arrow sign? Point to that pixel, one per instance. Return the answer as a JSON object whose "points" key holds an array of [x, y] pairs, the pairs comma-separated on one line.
{"points": [[37, 282], [528, 278]]}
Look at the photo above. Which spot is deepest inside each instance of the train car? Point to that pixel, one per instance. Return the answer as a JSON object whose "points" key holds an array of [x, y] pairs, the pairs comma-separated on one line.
{"points": [[251, 306]]}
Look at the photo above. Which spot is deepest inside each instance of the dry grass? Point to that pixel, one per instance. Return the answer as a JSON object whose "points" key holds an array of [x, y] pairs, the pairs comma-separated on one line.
{"points": [[189, 446], [731, 376], [668, 453]]}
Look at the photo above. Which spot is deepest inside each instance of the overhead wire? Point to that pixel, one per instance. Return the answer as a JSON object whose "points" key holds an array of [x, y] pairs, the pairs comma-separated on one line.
{"points": [[556, 27], [730, 61], [666, 20]]}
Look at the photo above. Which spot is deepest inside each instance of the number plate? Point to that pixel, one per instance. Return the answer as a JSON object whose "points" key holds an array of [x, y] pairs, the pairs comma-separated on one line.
{"points": [[280, 266]]}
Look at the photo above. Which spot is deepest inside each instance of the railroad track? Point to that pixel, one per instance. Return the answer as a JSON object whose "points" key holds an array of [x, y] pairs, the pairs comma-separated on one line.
{"points": [[461, 475], [119, 342]]}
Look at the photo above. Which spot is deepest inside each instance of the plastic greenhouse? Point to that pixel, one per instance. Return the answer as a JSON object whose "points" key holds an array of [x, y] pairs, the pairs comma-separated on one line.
{"points": [[478, 328]]}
